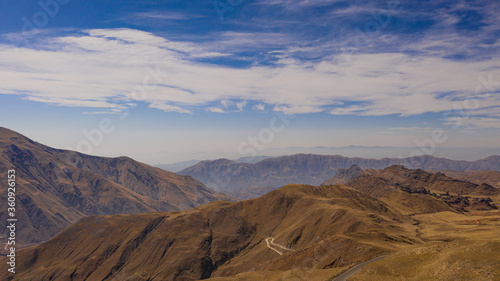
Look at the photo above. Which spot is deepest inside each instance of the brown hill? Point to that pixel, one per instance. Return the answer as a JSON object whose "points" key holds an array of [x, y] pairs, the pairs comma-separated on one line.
{"points": [[417, 179], [229, 176], [410, 190], [478, 177], [57, 187], [407, 203], [459, 247], [297, 226], [413, 181]]}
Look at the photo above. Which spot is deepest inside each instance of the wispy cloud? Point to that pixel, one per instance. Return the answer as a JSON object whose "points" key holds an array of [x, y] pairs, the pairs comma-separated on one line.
{"points": [[110, 112], [241, 105], [167, 15], [300, 3], [259, 107], [101, 67], [411, 129], [230, 105], [216, 110], [473, 122], [161, 105]]}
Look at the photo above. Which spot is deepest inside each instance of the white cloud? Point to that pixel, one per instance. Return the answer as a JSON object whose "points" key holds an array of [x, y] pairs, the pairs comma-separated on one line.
{"points": [[226, 103], [216, 110], [168, 107], [101, 67], [259, 107], [347, 110], [241, 105], [231, 41], [297, 109]]}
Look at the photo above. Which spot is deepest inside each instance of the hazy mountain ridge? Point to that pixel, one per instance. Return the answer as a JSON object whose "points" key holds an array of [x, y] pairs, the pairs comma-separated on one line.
{"points": [[56, 187], [179, 166], [345, 175], [227, 175]]}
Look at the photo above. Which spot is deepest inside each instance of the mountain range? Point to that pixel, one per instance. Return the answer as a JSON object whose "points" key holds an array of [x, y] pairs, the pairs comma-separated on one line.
{"points": [[96, 218], [298, 232], [55, 188], [179, 166], [231, 177]]}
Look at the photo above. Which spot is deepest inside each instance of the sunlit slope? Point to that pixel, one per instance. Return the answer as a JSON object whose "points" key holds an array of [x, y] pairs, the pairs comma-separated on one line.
{"points": [[314, 228], [57, 187]]}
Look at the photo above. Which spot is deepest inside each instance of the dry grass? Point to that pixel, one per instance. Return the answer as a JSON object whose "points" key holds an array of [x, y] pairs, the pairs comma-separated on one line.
{"points": [[299, 274], [460, 247], [457, 260]]}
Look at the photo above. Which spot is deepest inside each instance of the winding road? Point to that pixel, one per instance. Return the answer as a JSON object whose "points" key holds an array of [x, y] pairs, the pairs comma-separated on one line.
{"points": [[342, 277], [270, 243], [353, 270]]}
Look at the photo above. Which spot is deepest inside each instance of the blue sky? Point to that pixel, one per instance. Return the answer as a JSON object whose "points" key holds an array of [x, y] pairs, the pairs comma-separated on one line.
{"points": [[180, 80]]}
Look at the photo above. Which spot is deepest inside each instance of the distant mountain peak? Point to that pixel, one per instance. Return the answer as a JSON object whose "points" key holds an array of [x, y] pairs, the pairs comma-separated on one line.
{"points": [[221, 161], [344, 175]]}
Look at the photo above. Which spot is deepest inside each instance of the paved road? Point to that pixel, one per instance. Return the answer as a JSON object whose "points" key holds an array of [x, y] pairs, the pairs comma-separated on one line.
{"points": [[353, 270]]}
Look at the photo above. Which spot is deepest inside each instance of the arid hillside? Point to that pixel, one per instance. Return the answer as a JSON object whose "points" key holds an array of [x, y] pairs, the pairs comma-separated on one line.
{"points": [[418, 191], [55, 187], [298, 232], [478, 177], [297, 226]]}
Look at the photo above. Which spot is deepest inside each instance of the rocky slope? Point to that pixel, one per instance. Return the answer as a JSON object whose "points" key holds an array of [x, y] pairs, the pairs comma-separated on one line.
{"points": [[479, 177], [57, 187], [417, 191]]}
